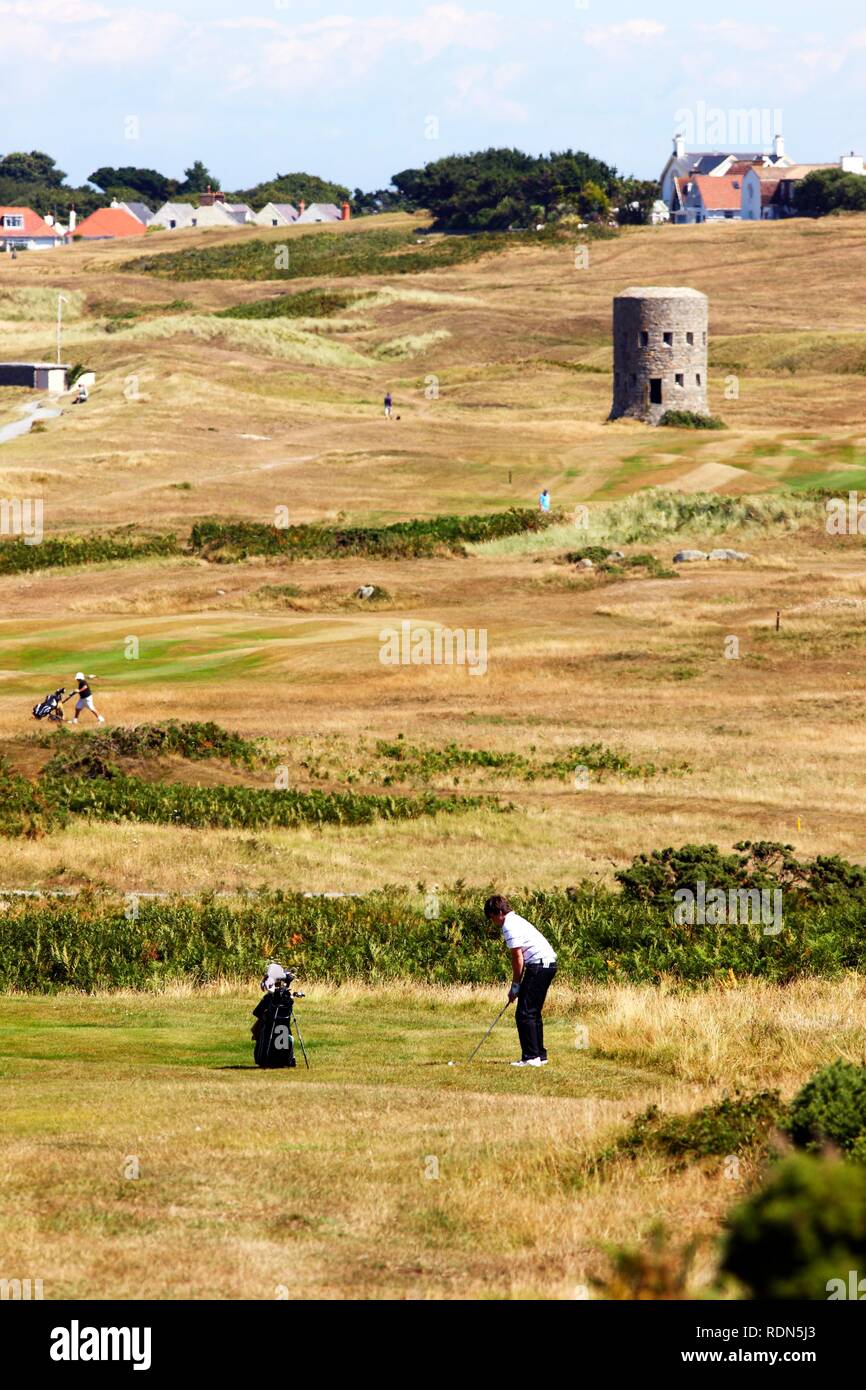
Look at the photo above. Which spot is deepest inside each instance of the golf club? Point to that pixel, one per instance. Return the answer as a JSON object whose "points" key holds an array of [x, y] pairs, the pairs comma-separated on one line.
{"points": [[490, 1029]]}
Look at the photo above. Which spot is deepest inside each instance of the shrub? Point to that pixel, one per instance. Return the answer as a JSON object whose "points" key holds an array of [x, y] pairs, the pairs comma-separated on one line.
{"points": [[17, 557], [831, 1107], [303, 304], [735, 1123], [804, 1228], [194, 740], [217, 539], [25, 809], [827, 880], [691, 420]]}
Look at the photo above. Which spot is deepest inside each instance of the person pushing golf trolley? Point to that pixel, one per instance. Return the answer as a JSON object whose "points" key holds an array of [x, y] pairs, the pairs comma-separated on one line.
{"points": [[85, 698], [533, 966]]}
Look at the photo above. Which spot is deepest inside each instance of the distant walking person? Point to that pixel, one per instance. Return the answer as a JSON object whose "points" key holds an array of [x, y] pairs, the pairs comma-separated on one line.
{"points": [[85, 698], [388, 406], [533, 966], [544, 501]]}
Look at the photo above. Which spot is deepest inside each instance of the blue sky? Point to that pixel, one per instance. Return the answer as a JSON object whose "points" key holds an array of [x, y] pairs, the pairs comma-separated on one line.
{"points": [[353, 90]]}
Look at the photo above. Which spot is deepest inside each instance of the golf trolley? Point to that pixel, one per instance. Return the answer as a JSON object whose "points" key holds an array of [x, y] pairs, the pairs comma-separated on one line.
{"points": [[275, 1015], [51, 708]]}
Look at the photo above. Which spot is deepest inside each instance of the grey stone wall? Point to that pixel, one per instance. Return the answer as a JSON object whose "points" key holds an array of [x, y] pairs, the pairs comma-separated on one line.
{"points": [[659, 348]]}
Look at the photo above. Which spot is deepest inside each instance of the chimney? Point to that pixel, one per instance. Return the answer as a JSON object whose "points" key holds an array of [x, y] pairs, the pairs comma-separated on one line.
{"points": [[779, 146], [346, 212], [301, 206], [73, 218], [115, 203], [48, 219], [679, 146]]}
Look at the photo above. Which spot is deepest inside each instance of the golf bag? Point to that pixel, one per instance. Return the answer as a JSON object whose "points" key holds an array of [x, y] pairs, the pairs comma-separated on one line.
{"points": [[272, 1031], [51, 708]]}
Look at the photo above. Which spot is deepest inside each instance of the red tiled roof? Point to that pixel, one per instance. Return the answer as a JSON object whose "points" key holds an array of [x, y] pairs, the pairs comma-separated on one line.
{"points": [[33, 224], [722, 192], [109, 222]]}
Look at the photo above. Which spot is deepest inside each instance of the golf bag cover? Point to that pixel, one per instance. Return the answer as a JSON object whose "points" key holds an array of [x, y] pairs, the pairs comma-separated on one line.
{"points": [[274, 1046], [47, 705]]}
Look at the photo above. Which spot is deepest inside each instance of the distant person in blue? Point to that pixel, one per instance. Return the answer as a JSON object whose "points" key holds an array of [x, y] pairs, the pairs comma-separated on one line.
{"points": [[544, 501], [389, 404]]}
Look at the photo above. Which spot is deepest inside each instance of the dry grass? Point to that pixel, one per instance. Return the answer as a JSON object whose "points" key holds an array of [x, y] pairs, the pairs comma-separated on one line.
{"points": [[319, 1181]]}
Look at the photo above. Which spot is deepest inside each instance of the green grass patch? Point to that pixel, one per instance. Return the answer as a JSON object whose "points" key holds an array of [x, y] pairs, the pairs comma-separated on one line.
{"points": [[376, 251], [303, 304]]}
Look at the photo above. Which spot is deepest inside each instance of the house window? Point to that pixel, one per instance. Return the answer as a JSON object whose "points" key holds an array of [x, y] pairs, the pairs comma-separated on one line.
{"points": [[644, 338], [669, 339], [680, 379], [13, 219], [690, 339], [655, 390], [697, 378]]}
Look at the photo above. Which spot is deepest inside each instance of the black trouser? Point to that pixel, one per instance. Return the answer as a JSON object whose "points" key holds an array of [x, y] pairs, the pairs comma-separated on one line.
{"points": [[530, 1001]]}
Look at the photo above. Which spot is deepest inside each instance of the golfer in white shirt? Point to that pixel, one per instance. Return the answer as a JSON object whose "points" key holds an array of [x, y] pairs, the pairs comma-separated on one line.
{"points": [[533, 966]]}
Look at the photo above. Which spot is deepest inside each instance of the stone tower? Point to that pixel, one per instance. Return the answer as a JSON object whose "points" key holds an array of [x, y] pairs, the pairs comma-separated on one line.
{"points": [[659, 352]]}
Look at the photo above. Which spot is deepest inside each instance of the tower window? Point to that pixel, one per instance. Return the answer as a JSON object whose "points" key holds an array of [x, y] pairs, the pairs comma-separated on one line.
{"points": [[644, 338], [669, 339], [680, 379], [634, 378], [698, 378], [690, 339]]}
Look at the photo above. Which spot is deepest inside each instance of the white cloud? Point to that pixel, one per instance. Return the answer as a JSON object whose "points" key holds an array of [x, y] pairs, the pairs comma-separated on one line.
{"points": [[480, 89], [617, 36]]}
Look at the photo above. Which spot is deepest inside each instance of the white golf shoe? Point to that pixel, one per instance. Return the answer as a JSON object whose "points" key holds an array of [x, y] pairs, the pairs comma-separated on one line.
{"points": [[528, 1062]]}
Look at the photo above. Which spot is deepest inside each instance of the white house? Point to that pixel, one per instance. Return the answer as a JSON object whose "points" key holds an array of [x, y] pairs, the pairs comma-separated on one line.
{"points": [[323, 212], [22, 229], [681, 167], [277, 215], [768, 194], [180, 216]]}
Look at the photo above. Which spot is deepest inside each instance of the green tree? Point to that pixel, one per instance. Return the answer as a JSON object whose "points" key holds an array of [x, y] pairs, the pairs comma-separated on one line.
{"points": [[292, 188], [636, 198], [35, 167], [145, 183], [593, 203], [830, 190], [198, 179], [803, 1230]]}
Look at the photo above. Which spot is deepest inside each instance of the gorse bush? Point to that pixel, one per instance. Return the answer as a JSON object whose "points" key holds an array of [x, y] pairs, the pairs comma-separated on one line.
{"points": [[303, 304], [691, 420], [735, 1123], [801, 1232], [17, 557], [656, 877], [193, 740], [217, 539], [25, 809], [831, 1108]]}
